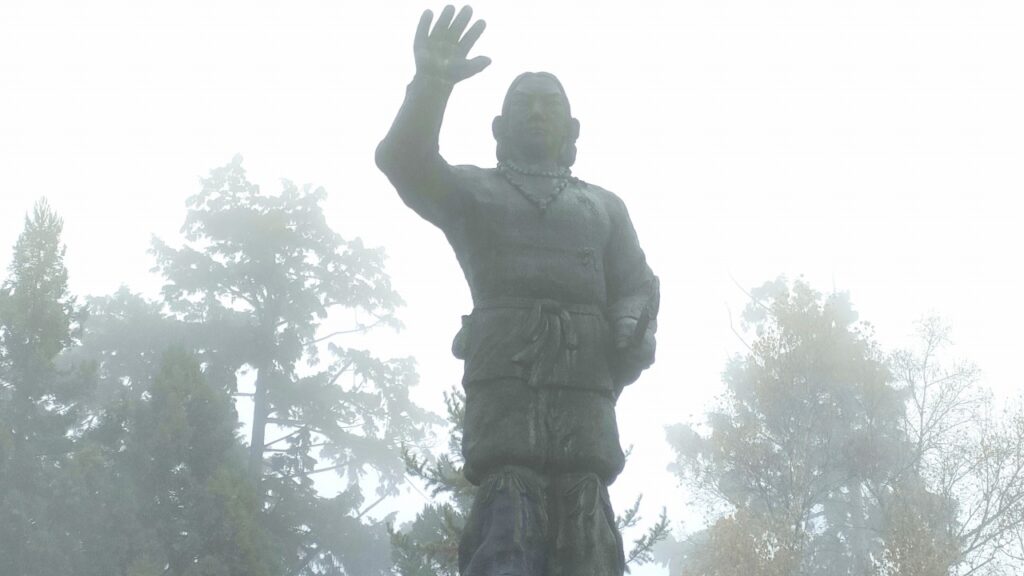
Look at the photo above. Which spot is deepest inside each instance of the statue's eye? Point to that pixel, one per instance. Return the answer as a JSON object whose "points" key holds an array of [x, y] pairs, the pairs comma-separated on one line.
{"points": [[548, 101]]}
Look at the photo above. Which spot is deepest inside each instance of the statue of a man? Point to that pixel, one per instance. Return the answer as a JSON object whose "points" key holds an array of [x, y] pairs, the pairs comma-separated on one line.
{"points": [[564, 313]]}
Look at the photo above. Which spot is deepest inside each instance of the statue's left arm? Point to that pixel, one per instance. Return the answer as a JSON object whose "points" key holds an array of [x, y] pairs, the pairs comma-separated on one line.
{"points": [[633, 298]]}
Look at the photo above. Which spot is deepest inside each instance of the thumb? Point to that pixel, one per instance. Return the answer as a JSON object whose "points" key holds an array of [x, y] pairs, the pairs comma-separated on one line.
{"points": [[475, 65], [622, 340]]}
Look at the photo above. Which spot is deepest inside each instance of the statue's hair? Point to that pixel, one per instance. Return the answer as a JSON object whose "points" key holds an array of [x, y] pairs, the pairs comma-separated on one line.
{"points": [[568, 155]]}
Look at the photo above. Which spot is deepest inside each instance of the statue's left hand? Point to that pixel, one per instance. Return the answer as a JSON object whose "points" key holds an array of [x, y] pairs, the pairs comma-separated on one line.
{"points": [[633, 354]]}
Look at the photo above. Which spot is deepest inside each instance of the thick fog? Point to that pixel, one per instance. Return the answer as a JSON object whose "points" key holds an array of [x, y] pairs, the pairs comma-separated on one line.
{"points": [[870, 148]]}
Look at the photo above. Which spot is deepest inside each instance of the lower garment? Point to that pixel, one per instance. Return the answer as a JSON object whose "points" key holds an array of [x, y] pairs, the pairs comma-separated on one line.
{"points": [[543, 458]]}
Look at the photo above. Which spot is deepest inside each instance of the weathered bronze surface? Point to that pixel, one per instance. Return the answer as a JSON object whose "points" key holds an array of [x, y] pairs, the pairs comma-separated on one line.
{"points": [[564, 313]]}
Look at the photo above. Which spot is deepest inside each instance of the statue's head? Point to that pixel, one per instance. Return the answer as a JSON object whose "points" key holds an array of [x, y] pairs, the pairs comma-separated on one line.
{"points": [[536, 124]]}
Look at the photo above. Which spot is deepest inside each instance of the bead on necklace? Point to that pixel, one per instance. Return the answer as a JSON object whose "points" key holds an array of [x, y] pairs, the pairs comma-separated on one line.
{"points": [[541, 201]]}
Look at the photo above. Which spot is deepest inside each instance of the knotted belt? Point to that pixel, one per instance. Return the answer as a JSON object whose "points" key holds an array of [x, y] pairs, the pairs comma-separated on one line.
{"points": [[548, 332]]}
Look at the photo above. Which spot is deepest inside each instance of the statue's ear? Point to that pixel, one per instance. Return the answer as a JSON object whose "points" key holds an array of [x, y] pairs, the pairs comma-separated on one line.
{"points": [[498, 127], [574, 129]]}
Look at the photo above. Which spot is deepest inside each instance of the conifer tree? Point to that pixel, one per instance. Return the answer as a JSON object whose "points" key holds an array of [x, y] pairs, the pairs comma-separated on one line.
{"points": [[39, 319], [254, 280], [429, 545]]}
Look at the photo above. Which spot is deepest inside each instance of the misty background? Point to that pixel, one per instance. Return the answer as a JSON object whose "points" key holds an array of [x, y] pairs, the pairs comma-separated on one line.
{"points": [[870, 147]]}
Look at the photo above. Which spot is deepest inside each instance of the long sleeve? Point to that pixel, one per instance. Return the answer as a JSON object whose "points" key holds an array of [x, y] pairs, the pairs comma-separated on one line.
{"points": [[633, 292], [409, 154], [631, 285]]}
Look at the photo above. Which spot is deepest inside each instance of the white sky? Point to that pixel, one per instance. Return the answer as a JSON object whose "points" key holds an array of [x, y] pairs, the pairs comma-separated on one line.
{"points": [[873, 146]]}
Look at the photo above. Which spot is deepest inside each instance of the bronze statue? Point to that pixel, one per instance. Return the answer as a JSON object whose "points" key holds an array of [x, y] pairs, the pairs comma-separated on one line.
{"points": [[564, 313]]}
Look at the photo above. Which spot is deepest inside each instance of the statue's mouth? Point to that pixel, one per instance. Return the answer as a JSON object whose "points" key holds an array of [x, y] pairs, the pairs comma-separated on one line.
{"points": [[537, 127]]}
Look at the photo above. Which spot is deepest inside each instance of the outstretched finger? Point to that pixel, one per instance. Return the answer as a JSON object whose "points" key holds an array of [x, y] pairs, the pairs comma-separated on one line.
{"points": [[467, 42], [459, 25], [477, 64], [441, 27], [423, 29]]}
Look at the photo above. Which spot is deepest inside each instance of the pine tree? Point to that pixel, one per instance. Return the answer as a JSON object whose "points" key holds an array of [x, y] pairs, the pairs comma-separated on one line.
{"points": [[158, 484], [255, 279], [429, 545], [39, 319], [190, 473]]}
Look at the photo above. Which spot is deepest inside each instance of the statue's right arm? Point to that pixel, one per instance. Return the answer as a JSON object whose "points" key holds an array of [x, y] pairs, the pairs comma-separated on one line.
{"points": [[409, 154]]}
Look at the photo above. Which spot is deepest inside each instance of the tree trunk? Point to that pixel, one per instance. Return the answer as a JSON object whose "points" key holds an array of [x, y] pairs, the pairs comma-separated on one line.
{"points": [[259, 426], [858, 530]]}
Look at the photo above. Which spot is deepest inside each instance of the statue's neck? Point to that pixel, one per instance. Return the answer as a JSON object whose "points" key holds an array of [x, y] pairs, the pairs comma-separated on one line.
{"points": [[539, 165]]}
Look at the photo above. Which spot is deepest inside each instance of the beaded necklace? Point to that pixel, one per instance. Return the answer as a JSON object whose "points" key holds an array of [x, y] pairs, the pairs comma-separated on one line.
{"points": [[541, 201]]}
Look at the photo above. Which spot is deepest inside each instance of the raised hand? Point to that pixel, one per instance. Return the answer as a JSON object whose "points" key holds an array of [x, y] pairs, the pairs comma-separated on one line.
{"points": [[442, 52]]}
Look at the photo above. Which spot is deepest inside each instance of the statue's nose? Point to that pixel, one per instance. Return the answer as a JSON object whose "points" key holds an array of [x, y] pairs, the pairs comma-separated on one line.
{"points": [[537, 110]]}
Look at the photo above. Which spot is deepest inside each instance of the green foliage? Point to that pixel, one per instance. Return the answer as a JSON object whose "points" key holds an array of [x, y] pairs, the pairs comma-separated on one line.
{"points": [[159, 483], [40, 318], [126, 337], [119, 451], [429, 545], [191, 475], [272, 256], [38, 399], [257, 276], [643, 550], [808, 436], [830, 457]]}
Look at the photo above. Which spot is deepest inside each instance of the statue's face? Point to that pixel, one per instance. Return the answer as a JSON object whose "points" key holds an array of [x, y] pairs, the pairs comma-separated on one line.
{"points": [[537, 120]]}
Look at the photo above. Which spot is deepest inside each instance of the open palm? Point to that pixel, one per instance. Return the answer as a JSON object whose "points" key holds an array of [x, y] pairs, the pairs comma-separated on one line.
{"points": [[442, 52]]}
